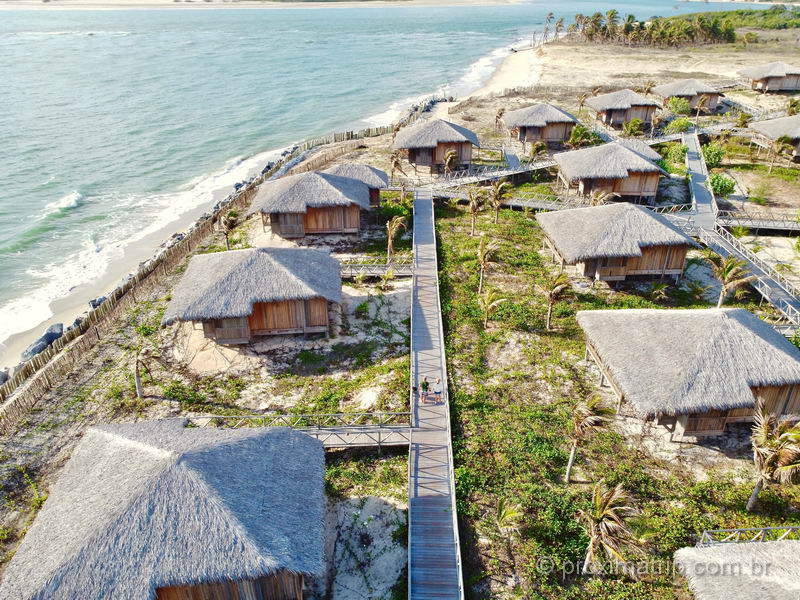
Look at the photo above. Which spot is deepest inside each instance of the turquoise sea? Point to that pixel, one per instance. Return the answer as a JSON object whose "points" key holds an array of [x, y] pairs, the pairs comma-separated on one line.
{"points": [[117, 122]]}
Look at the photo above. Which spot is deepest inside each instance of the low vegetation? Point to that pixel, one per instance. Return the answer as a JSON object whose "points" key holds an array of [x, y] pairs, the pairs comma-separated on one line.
{"points": [[519, 396]]}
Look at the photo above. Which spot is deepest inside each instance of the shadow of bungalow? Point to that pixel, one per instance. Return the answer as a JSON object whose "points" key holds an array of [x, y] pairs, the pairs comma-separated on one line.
{"points": [[694, 371], [239, 294], [692, 91], [311, 203], [540, 122], [784, 128], [616, 242], [773, 77], [159, 511], [617, 108], [429, 141], [624, 168]]}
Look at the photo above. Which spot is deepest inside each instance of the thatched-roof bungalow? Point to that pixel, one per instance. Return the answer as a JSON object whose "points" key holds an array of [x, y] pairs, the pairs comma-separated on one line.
{"points": [[762, 570], [540, 122], [158, 511], [616, 242], [239, 294], [690, 90], [617, 108], [429, 141], [312, 203], [696, 370], [373, 178], [773, 77], [625, 168], [783, 128]]}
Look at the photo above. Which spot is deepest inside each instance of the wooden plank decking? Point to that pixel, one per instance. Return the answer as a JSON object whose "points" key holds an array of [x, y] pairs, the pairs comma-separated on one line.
{"points": [[434, 563]]}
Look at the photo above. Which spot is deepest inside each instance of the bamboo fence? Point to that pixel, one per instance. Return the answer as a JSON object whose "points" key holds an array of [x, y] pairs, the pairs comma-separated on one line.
{"points": [[40, 374]]}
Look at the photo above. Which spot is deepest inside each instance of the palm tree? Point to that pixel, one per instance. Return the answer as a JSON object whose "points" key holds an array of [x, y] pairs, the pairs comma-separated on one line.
{"points": [[450, 161], [497, 194], [558, 28], [554, 287], [731, 272], [587, 416], [486, 250], [776, 450], [702, 102], [605, 524], [393, 227], [475, 200], [488, 302], [498, 118], [396, 161], [612, 19], [227, 224], [505, 522], [658, 291], [782, 144], [647, 86], [792, 106], [600, 197]]}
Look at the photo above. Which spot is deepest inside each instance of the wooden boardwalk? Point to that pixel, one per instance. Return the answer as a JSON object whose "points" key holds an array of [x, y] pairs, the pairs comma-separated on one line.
{"points": [[434, 562]]}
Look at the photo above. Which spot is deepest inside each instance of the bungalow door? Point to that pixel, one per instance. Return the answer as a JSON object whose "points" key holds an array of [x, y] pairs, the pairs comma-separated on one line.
{"points": [[421, 156], [272, 318], [316, 315], [327, 219], [291, 224], [352, 218]]}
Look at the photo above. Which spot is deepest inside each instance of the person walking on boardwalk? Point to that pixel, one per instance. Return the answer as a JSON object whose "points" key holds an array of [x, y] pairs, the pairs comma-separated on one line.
{"points": [[424, 387], [437, 391]]}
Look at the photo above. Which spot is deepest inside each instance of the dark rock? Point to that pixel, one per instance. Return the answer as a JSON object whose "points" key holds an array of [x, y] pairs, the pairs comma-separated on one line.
{"points": [[17, 369], [52, 333], [35, 348], [4, 376], [97, 301]]}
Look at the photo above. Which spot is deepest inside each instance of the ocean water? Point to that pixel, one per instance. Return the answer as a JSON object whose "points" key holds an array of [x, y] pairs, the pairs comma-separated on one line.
{"points": [[117, 122]]}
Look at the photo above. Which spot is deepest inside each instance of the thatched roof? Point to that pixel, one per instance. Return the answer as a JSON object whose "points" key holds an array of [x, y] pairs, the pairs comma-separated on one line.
{"points": [[621, 100], [370, 176], [684, 87], [155, 504], [225, 285], [774, 129], [615, 160], [773, 69], [620, 229], [432, 132], [762, 570], [295, 193], [680, 361], [538, 115]]}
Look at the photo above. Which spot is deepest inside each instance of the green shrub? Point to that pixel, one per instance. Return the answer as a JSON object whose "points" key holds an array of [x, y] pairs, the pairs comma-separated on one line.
{"points": [[633, 127], [679, 125], [713, 154], [186, 395], [678, 105], [721, 186], [676, 153]]}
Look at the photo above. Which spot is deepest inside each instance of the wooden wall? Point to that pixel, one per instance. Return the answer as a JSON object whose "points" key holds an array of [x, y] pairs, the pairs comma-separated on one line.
{"points": [[658, 259], [332, 219], [283, 586], [289, 316], [779, 400], [463, 149], [635, 185], [774, 84], [553, 132]]}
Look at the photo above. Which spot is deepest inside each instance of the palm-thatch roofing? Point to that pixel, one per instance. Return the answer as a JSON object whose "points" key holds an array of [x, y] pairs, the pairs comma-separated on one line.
{"points": [[620, 100], [370, 176], [675, 362], [432, 132], [788, 127], [155, 504], [773, 69], [225, 285], [615, 160], [763, 570], [295, 193], [620, 229], [538, 115], [684, 87]]}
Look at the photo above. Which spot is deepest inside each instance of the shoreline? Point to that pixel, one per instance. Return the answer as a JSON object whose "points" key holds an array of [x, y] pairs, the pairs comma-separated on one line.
{"points": [[76, 303]]}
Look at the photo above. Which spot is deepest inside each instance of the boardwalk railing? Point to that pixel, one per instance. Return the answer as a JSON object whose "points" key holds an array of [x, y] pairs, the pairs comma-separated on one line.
{"points": [[672, 208], [714, 537], [787, 285], [401, 266], [758, 220]]}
